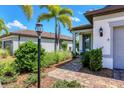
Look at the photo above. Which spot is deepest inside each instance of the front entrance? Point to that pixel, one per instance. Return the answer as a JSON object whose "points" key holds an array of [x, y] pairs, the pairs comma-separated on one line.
{"points": [[118, 43], [86, 42]]}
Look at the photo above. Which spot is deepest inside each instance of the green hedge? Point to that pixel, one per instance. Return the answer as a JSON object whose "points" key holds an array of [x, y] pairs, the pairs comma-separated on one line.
{"points": [[92, 59], [53, 58]]}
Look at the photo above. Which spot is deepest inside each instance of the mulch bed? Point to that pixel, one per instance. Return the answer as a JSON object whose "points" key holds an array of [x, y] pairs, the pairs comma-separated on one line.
{"points": [[104, 72], [46, 82]]}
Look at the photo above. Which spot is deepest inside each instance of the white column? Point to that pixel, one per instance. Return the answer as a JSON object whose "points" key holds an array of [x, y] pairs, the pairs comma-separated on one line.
{"points": [[80, 43], [74, 43], [2, 44]]}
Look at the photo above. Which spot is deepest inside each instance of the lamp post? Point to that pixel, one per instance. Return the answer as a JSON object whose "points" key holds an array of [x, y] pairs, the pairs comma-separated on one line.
{"points": [[39, 30]]}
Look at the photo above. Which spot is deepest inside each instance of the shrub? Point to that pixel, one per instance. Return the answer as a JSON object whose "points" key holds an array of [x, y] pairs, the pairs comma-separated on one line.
{"points": [[6, 80], [8, 73], [85, 59], [95, 59], [64, 45], [7, 68], [53, 58], [26, 57], [66, 84], [74, 55], [4, 53], [32, 79], [92, 59]]}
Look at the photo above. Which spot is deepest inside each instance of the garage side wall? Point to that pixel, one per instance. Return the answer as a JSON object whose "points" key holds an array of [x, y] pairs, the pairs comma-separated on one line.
{"points": [[106, 42]]}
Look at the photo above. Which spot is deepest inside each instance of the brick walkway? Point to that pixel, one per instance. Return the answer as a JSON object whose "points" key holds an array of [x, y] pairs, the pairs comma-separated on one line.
{"points": [[87, 80]]}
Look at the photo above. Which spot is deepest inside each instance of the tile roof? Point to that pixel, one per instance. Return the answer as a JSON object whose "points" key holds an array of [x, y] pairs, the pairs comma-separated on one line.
{"points": [[109, 9], [32, 33]]}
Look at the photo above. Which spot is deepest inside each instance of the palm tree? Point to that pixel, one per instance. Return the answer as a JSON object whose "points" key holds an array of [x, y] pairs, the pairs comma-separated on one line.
{"points": [[28, 10], [3, 26], [61, 15]]}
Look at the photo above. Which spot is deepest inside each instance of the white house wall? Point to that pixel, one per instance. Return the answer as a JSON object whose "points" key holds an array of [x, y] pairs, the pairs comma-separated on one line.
{"points": [[105, 41], [47, 44]]}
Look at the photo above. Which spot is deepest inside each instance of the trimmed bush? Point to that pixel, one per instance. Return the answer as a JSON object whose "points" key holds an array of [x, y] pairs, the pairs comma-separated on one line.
{"points": [[66, 84], [95, 59], [92, 59], [26, 57]]}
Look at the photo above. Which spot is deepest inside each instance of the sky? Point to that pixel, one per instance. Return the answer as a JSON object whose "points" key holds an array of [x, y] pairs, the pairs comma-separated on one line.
{"points": [[15, 18]]}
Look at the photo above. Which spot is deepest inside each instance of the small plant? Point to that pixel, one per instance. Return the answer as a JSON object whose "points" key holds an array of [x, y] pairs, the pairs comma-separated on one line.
{"points": [[6, 79], [3, 53], [7, 73], [66, 84], [74, 55], [64, 45], [32, 79]]}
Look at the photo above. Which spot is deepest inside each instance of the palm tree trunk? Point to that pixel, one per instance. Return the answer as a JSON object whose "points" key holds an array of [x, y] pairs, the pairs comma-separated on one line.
{"points": [[55, 35], [59, 32]]}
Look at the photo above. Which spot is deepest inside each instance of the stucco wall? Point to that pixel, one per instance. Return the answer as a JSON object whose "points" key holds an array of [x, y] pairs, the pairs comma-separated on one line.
{"points": [[107, 39], [47, 44]]}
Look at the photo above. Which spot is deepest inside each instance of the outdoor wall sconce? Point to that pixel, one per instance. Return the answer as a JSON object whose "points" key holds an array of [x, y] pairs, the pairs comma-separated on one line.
{"points": [[101, 31]]}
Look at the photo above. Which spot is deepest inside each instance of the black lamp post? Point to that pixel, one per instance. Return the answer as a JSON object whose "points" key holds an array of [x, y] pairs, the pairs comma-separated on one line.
{"points": [[39, 30]]}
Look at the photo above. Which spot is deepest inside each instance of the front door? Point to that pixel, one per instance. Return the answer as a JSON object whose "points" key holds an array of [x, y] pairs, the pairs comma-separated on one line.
{"points": [[86, 42]]}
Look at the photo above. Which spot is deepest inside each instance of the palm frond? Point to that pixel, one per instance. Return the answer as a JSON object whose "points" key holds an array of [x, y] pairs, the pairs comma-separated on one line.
{"points": [[66, 11], [28, 11], [3, 26], [45, 16], [65, 20]]}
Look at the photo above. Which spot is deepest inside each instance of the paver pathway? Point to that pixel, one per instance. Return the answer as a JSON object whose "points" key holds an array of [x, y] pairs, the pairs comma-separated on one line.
{"points": [[86, 80], [74, 65]]}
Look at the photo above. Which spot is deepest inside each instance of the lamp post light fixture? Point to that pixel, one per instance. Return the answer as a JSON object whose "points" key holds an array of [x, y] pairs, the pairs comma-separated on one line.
{"points": [[39, 30], [101, 31]]}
